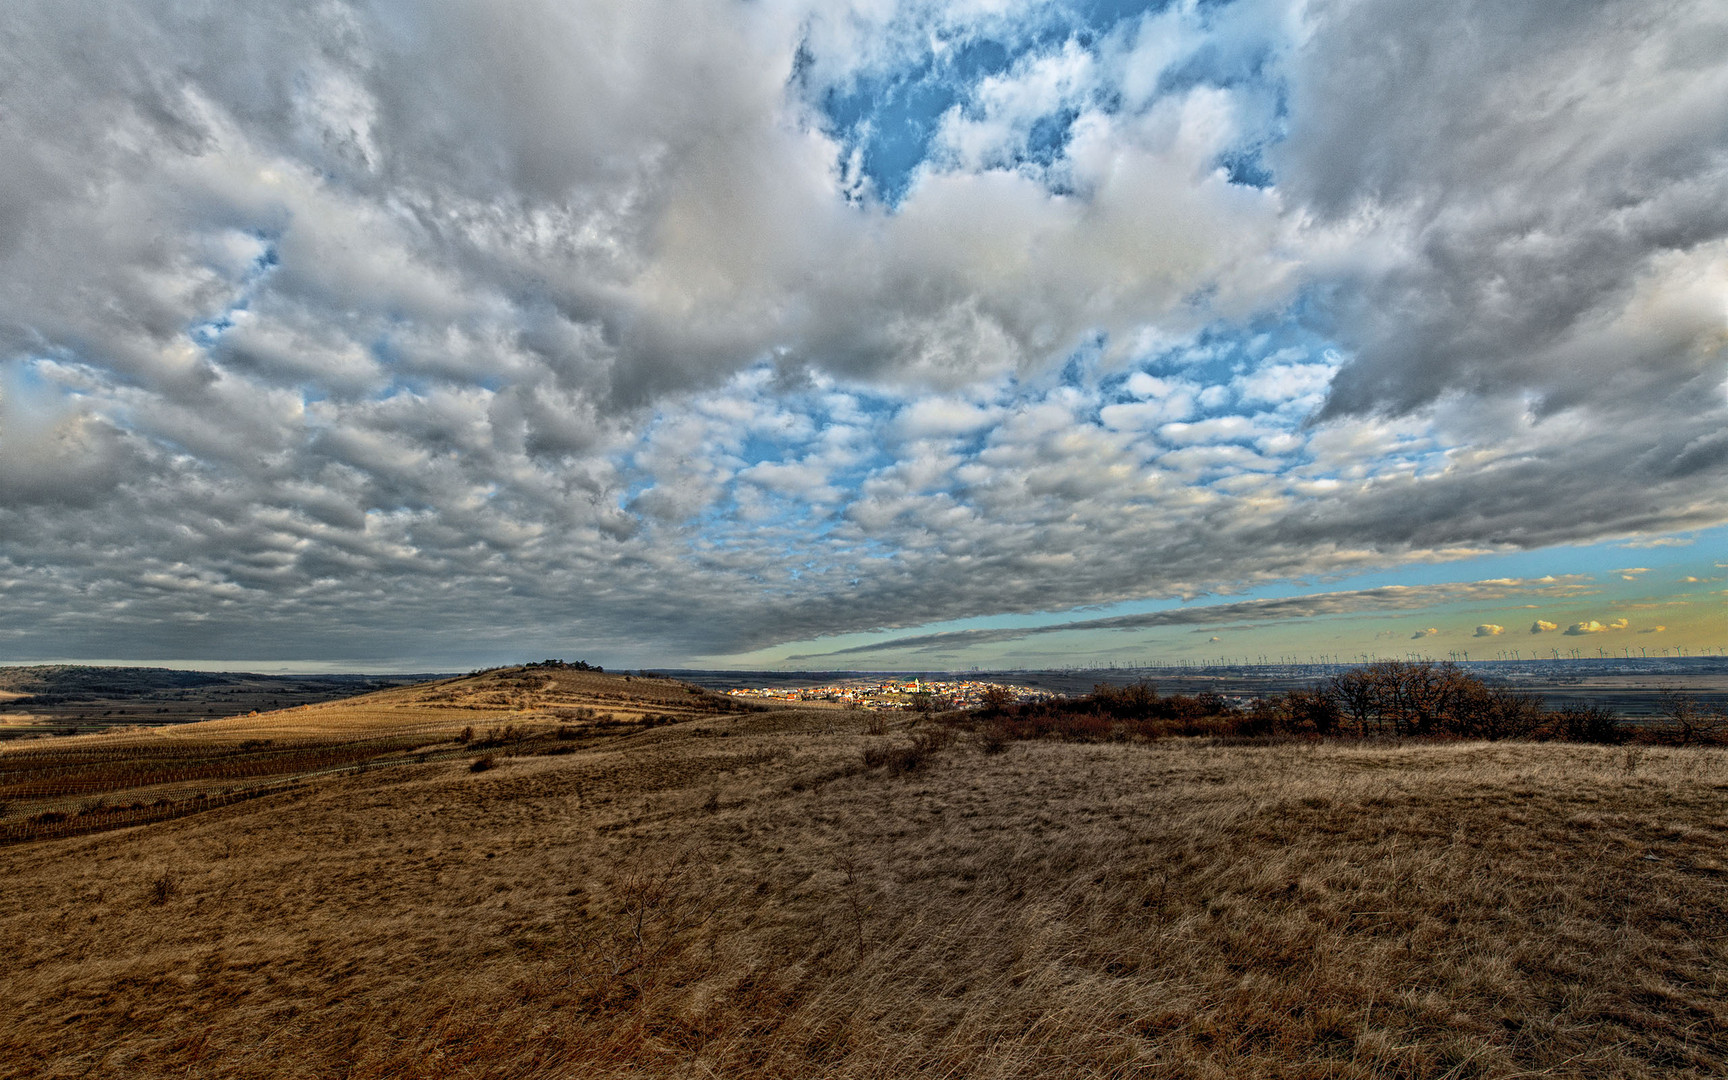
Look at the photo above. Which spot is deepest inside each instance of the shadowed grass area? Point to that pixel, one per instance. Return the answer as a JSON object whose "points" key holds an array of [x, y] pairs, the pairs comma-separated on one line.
{"points": [[786, 895]]}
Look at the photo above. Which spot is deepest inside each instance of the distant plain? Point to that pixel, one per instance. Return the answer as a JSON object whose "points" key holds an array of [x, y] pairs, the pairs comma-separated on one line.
{"points": [[1631, 686], [64, 699]]}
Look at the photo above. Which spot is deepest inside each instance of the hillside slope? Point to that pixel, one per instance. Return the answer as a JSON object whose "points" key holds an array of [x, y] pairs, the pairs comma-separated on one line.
{"points": [[527, 694], [53, 787], [740, 896]]}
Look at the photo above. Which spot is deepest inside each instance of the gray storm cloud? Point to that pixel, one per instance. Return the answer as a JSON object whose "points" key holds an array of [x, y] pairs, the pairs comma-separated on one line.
{"points": [[1550, 187], [378, 330]]}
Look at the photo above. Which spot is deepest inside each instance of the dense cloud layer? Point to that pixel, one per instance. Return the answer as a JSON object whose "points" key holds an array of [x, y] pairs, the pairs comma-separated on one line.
{"points": [[1530, 199], [387, 331]]}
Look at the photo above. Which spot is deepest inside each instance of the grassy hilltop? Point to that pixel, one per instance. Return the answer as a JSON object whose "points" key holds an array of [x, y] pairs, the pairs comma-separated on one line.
{"points": [[548, 872]]}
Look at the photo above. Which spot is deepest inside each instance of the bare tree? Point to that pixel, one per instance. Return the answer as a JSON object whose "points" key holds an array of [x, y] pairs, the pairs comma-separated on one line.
{"points": [[1685, 721], [1357, 697]]}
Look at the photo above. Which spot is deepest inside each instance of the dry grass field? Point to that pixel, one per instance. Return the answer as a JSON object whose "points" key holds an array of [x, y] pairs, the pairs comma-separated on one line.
{"points": [[741, 896]]}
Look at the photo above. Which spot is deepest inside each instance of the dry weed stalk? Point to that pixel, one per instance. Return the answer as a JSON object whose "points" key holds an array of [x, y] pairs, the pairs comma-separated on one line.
{"points": [[642, 929]]}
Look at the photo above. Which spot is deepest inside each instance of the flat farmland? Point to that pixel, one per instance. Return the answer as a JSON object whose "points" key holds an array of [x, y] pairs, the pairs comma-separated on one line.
{"points": [[71, 699]]}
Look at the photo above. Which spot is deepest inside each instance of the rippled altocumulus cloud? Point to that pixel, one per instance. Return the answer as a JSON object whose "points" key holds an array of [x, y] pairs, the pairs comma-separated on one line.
{"points": [[366, 329]]}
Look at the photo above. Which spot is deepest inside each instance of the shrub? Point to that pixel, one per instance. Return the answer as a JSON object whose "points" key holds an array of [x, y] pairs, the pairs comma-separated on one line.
{"points": [[993, 739], [481, 764], [1426, 699], [1312, 710], [908, 758], [1386, 698], [1682, 721], [1486, 712], [1587, 723], [622, 950], [1125, 702], [1087, 727], [165, 888]]}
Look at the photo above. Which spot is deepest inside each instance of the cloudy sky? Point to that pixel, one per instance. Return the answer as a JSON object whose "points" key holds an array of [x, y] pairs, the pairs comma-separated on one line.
{"points": [[713, 332]]}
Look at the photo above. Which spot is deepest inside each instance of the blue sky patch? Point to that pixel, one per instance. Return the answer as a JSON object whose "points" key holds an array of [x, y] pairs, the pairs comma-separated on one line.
{"points": [[889, 119]]}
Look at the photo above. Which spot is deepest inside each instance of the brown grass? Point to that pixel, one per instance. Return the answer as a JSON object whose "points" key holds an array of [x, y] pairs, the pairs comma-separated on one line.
{"points": [[744, 897], [69, 786]]}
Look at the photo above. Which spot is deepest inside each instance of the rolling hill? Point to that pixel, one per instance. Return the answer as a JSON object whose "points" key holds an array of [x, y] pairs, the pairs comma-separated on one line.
{"points": [[610, 878]]}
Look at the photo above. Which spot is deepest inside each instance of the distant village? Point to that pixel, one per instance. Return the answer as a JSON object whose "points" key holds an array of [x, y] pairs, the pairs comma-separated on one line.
{"points": [[898, 694]]}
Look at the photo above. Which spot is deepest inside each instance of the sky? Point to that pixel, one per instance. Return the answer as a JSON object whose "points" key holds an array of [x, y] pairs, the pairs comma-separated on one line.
{"points": [[377, 335]]}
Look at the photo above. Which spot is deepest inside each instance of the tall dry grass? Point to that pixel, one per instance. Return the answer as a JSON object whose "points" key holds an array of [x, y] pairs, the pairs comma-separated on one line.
{"points": [[746, 897]]}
